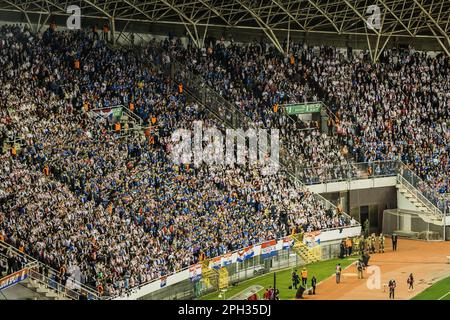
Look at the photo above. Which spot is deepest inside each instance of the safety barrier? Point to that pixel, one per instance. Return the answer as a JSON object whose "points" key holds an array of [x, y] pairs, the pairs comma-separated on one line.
{"points": [[76, 292]]}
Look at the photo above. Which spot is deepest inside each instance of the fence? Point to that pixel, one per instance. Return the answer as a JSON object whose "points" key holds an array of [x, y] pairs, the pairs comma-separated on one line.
{"points": [[240, 271], [121, 114], [414, 225], [221, 108], [73, 289], [351, 171], [426, 194]]}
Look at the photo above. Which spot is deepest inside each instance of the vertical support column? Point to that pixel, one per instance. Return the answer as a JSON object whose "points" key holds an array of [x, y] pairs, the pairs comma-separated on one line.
{"points": [[288, 35], [344, 200], [112, 22], [445, 218]]}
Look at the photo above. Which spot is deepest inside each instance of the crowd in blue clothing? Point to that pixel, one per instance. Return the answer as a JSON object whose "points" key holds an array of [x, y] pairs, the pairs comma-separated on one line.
{"points": [[395, 109], [118, 208], [113, 205]]}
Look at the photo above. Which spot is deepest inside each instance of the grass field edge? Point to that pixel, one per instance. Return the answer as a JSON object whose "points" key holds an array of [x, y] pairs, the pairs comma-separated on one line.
{"points": [[282, 270], [416, 297]]}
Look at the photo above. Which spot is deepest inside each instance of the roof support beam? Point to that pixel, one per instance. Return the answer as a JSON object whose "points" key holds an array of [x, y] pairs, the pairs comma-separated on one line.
{"points": [[325, 15], [440, 41], [359, 15], [21, 10], [272, 18], [377, 57], [289, 14], [40, 26], [266, 29], [51, 3], [434, 21], [214, 10], [396, 18], [121, 32], [177, 10], [89, 2], [195, 38], [139, 10]]}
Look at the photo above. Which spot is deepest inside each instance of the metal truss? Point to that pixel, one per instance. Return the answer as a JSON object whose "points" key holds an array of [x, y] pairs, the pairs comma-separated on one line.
{"points": [[275, 18]]}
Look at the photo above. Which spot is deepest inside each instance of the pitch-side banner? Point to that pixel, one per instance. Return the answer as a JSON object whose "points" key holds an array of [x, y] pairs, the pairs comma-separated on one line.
{"points": [[195, 272], [215, 263], [288, 243], [269, 249], [13, 279], [312, 239], [227, 259]]}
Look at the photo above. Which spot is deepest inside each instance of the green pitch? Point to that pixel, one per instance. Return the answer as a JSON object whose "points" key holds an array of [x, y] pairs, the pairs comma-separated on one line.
{"points": [[438, 291], [322, 270]]}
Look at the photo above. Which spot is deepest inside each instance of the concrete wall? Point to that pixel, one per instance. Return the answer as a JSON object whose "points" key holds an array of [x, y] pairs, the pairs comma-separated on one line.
{"points": [[376, 200], [404, 203], [353, 185]]}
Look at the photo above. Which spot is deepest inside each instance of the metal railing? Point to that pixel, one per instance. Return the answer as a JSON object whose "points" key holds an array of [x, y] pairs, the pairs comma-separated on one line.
{"points": [[49, 281], [53, 285], [208, 97], [419, 196], [348, 172], [431, 199], [125, 110], [134, 289], [424, 192]]}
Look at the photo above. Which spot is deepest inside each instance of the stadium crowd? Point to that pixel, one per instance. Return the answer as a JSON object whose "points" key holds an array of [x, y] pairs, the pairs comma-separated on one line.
{"points": [[114, 205], [395, 109], [79, 193], [259, 82]]}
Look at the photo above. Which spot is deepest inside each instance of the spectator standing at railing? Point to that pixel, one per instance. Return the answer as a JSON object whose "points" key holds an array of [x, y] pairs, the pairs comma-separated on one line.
{"points": [[12, 263]]}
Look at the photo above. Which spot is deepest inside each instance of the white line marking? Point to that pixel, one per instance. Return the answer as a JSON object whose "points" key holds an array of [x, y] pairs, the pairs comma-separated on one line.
{"points": [[444, 296]]}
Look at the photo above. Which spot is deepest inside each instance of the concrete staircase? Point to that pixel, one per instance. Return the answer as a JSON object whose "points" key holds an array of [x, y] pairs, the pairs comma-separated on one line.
{"points": [[412, 198], [223, 278], [45, 291], [210, 276], [427, 211], [308, 255]]}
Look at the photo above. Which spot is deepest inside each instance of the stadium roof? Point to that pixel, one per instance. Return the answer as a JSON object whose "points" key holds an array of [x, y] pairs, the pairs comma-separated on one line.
{"points": [[401, 18]]}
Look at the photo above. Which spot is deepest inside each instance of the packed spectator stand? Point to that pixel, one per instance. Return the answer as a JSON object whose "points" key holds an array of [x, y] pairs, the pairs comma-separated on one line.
{"points": [[395, 109], [115, 205], [118, 208]]}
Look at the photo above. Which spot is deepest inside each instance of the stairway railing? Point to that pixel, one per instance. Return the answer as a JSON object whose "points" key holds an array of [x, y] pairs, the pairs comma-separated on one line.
{"points": [[418, 195], [47, 281], [424, 191]]}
